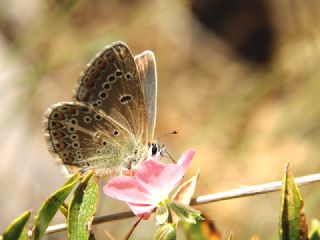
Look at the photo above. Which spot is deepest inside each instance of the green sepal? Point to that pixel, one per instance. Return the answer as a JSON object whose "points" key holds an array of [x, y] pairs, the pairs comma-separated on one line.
{"points": [[82, 209], [50, 207], [184, 212], [292, 215], [162, 213], [16, 230], [166, 232]]}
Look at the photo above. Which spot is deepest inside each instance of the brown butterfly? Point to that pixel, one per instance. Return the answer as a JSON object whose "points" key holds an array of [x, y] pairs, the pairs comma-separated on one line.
{"points": [[110, 125]]}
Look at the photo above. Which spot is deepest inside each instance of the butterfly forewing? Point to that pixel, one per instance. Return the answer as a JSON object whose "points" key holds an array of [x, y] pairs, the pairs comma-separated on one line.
{"points": [[111, 83], [146, 65]]}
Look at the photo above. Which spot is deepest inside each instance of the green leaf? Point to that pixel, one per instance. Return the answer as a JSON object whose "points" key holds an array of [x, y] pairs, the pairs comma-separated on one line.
{"points": [[16, 230], [293, 220], [201, 230], [315, 230], [50, 207], [82, 208], [166, 232]]}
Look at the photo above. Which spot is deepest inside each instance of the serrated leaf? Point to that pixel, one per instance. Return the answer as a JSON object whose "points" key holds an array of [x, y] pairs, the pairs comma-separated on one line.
{"points": [[82, 208], [201, 230], [293, 220], [315, 230], [16, 230], [50, 207]]}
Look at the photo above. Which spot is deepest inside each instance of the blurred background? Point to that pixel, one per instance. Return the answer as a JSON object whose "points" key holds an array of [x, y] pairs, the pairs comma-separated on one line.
{"points": [[239, 80]]}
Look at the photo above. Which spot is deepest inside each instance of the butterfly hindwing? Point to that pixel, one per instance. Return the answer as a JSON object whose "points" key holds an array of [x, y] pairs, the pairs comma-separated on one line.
{"points": [[146, 65], [111, 83], [84, 137]]}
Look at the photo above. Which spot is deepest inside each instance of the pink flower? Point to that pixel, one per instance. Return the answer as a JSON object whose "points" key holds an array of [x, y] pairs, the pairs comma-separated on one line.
{"points": [[150, 185]]}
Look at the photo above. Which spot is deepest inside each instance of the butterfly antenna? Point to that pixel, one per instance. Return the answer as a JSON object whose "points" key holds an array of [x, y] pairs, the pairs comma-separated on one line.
{"points": [[169, 156], [170, 133]]}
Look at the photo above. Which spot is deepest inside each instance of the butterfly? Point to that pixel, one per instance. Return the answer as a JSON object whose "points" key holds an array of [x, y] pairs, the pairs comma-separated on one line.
{"points": [[110, 125]]}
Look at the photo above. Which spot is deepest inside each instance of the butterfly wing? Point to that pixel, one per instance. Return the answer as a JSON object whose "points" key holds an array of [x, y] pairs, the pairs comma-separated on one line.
{"points": [[146, 65], [112, 84], [84, 138], [106, 129]]}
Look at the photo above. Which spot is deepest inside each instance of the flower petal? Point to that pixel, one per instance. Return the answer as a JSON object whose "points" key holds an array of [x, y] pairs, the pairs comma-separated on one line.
{"points": [[141, 210], [159, 178], [186, 158], [127, 189]]}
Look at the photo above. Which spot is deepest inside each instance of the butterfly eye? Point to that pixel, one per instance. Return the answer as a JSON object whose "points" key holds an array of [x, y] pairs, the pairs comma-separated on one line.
{"points": [[104, 143]]}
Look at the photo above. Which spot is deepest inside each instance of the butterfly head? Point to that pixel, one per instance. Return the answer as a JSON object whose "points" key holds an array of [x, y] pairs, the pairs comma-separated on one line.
{"points": [[156, 151]]}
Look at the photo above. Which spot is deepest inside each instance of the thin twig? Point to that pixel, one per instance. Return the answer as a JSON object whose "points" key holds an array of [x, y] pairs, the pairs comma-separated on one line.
{"points": [[133, 228], [235, 193]]}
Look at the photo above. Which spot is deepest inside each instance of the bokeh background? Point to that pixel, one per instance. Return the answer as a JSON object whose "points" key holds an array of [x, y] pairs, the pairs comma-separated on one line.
{"points": [[238, 79]]}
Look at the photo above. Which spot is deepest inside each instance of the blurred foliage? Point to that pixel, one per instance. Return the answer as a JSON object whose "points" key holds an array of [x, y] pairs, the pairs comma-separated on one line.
{"points": [[245, 117]]}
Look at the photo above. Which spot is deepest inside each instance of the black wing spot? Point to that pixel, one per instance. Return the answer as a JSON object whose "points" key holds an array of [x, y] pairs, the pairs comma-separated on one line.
{"points": [[106, 86], [74, 136], [73, 121], [103, 95], [118, 73], [128, 76], [97, 117], [115, 132], [87, 119], [84, 109], [75, 145], [112, 78], [125, 98]]}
